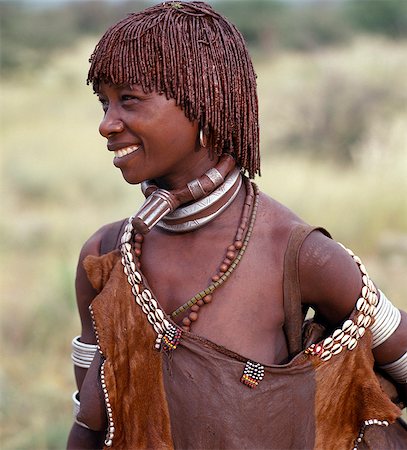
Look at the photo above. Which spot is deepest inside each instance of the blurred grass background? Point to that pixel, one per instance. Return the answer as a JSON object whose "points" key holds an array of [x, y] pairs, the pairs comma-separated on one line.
{"points": [[332, 86]]}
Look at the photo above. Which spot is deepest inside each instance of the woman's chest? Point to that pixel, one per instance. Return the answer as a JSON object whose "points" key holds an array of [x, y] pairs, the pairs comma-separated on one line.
{"points": [[245, 309]]}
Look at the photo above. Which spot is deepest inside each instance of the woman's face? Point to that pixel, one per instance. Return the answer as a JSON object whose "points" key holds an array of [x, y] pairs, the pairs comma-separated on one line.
{"points": [[150, 136]]}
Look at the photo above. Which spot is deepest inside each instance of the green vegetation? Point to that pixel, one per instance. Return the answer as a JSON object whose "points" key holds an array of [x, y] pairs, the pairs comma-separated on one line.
{"points": [[331, 101], [333, 145], [384, 16]]}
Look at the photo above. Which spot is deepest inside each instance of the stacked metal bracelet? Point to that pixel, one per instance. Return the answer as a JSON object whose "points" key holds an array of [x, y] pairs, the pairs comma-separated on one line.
{"points": [[352, 330], [82, 354], [397, 369], [387, 319], [76, 408]]}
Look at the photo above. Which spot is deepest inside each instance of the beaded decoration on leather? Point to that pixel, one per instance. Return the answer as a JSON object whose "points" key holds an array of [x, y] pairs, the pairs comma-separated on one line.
{"points": [[367, 423], [253, 373], [234, 254]]}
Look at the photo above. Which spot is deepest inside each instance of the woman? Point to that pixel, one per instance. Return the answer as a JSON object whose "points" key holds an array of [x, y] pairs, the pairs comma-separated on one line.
{"points": [[195, 302]]}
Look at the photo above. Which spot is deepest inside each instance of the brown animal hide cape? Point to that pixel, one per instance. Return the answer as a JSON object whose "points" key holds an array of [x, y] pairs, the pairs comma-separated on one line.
{"points": [[193, 399]]}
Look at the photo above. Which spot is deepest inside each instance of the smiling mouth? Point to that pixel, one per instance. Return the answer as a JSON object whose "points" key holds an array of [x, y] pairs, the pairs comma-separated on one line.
{"points": [[126, 151]]}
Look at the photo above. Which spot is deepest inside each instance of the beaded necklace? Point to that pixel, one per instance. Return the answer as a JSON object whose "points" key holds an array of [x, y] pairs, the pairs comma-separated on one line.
{"points": [[234, 254]]}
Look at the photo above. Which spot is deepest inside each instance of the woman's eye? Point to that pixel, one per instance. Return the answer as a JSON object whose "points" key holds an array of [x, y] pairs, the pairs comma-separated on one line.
{"points": [[127, 98]]}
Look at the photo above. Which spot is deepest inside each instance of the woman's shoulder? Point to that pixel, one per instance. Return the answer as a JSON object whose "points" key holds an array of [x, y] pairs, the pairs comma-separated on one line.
{"points": [[277, 219], [85, 290], [273, 228], [105, 239], [330, 278]]}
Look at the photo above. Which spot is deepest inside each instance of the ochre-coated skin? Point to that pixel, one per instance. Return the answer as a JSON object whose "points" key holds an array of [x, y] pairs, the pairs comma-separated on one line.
{"points": [[246, 314]]}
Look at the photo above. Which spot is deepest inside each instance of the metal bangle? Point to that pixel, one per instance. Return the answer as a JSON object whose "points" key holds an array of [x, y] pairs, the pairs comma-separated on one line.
{"points": [[397, 369], [76, 408], [387, 319], [82, 354]]}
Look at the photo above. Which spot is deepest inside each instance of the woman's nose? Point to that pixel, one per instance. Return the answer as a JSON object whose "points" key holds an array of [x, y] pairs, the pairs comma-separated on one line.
{"points": [[111, 123]]}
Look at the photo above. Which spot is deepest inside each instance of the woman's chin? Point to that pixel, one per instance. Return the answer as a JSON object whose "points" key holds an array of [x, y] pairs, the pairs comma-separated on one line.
{"points": [[131, 178]]}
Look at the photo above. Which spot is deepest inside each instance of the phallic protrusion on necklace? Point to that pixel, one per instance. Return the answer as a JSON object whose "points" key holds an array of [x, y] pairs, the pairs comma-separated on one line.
{"points": [[156, 206]]}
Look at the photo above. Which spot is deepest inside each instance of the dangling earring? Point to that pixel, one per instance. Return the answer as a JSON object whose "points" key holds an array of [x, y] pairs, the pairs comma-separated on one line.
{"points": [[202, 140]]}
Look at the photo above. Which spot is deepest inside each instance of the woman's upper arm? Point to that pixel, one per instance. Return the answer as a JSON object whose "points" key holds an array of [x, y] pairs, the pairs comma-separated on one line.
{"points": [[330, 280], [85, 292]]}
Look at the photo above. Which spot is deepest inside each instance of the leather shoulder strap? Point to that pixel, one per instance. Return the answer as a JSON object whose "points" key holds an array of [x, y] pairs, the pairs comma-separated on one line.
{"points": [[111, 238], [293, 311]]}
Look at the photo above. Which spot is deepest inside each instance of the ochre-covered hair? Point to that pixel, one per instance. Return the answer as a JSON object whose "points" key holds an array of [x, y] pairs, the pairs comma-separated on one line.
{"points": [[195, 56]]}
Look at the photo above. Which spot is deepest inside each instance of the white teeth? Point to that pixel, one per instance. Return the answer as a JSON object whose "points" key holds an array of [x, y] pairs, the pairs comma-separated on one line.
{"points": [[125, 151]]}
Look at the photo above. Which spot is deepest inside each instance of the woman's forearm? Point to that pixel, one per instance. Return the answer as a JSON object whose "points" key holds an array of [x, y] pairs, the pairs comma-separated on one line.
{"points": [[81, 438]]}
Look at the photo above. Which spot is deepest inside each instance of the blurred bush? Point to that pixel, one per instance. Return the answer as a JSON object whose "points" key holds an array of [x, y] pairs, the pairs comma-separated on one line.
{"points": [[328, 101], [388, 17]]}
